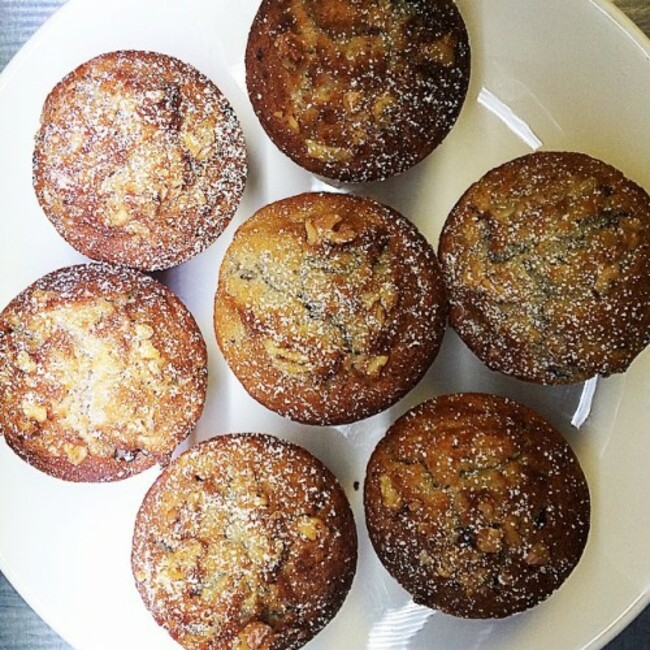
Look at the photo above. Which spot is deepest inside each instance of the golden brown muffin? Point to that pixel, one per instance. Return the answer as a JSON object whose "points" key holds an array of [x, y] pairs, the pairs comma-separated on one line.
{"points": [[547, 265], [103, 372], [244, 542], [476, 505], [357, 90], [330, 307], [139, 160]]}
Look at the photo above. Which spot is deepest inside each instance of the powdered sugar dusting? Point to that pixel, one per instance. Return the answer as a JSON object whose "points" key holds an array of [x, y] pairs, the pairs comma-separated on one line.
{"points": [[357, 91], [139, 160], [476, 505], [244, 541], [103, 372], [547, 262], [329, 307]]}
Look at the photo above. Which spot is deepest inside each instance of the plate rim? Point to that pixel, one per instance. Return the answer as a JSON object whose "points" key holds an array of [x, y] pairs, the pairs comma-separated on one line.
{"points": [[628, 29]]}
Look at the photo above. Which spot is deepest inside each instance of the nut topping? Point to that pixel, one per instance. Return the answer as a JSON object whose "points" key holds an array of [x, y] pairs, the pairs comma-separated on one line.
{"points": [[328, 228]]}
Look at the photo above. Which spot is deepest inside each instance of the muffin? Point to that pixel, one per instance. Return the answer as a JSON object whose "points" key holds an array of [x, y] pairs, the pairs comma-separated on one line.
{"points": [[244, 541], [139, 160], [103, 372], [330, 307], [357, 90], [547, 266], [476, 505]]}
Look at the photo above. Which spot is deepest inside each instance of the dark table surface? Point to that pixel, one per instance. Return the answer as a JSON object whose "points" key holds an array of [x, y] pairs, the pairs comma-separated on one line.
{"points": [[20, 628]]}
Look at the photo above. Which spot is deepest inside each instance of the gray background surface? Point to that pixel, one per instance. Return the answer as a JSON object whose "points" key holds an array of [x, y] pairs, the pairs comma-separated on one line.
{"points": [[20, 628]]}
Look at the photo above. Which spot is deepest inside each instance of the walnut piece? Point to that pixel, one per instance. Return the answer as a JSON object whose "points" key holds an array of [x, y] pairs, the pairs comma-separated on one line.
{"points": [[310, 527], [538, 555], [255, 636], [290, 361], [371, 365], [326, 153], [328, 227], [34, 411], [75, 453], [119, 217], [389, 494], [198, 140], [489, 540], [441, 51]]}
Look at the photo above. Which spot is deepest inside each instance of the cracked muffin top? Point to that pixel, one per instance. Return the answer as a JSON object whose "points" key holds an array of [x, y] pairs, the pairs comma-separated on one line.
{"points": [[103, 372], [476, 505], [244, 542], [357, 90], [547, 266], [330, 307], [139, 160]]}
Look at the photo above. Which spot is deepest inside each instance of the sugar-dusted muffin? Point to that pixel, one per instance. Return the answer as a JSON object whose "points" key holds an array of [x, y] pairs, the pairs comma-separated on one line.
{"points": [[330, 307], [139, 160], [244, 542], [476, 505], [357, 90], [547, 265], [103, 371]]}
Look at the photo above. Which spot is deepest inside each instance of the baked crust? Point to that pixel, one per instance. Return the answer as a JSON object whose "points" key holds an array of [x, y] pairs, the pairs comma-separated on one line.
{"points": [[330, 307], [139, 160], [547, 265], [244, 541], [476, 505], [357, 90], [103, 372]]}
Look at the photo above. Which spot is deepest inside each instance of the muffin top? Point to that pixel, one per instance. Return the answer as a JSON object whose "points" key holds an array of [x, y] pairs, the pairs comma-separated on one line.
{"points": [[357, 90], [476, 505], [103, 373], [244, 541], [330, 307], [139, 160], [547, 265]]}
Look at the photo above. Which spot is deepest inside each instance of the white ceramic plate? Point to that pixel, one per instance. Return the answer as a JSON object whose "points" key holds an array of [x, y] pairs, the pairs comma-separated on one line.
{"points": [[546, 73]]}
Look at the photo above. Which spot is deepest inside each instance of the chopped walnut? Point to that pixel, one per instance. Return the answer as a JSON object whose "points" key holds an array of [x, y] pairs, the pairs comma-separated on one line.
{"points": [[443, 571], [199, 140], [632, 228], [119, 217], [441, 51], [425, 559], [510, 532], [148, 351], [606, 276], [326, 153], [371, 365], [381, 104], [312, 233], [143, 331], [328, 228], [289, 49], [389, 494], [25, 362], [488, 540], [291, 361], [75, 453], [182, 560], [379, 314], [353, 100], [34, 411], [388, 296], [376, 364], [255, 636], [310, 527], [538, 555]]}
